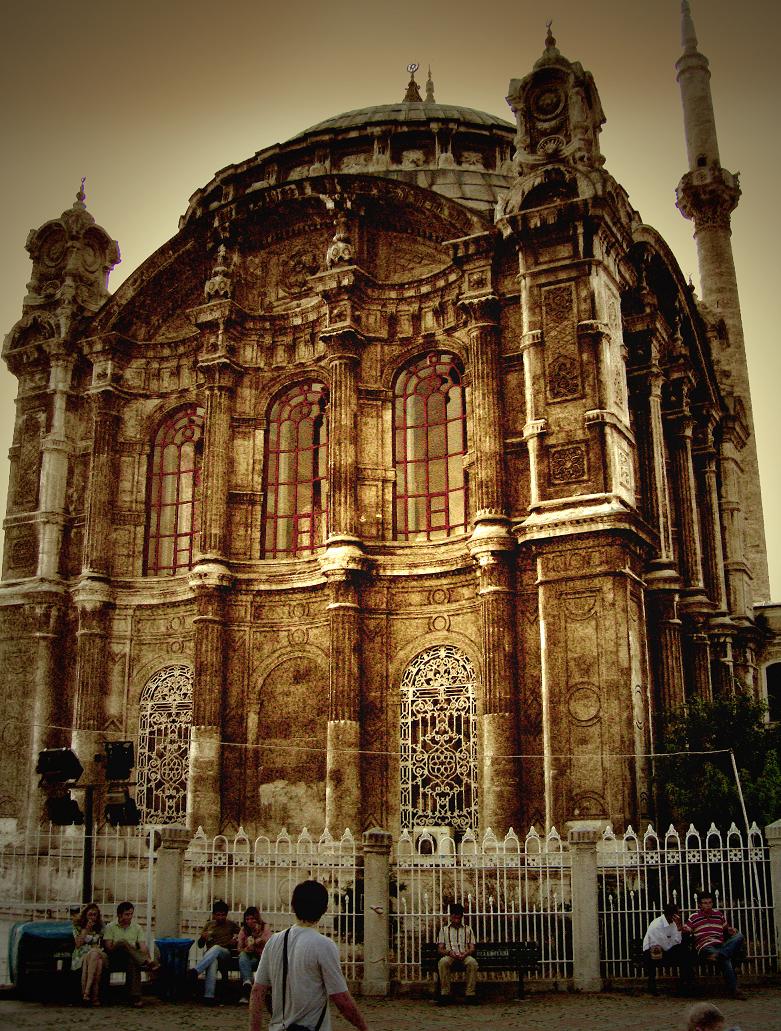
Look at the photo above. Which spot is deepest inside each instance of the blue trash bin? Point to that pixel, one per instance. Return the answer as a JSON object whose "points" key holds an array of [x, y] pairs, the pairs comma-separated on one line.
{"points": [[174, 953], [39, 957]]}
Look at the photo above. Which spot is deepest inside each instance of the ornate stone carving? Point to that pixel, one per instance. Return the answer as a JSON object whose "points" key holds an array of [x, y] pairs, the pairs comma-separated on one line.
{"points": [[568, 464], [340, 251]]}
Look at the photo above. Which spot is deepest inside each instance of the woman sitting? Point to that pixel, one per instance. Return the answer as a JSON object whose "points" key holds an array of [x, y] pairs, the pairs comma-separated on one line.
{"points": [[88, 956], [253, 935]]}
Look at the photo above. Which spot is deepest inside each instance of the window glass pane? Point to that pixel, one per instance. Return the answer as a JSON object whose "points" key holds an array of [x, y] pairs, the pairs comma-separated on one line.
{"points": [[436, 442], [436, 476], [456, 499]]}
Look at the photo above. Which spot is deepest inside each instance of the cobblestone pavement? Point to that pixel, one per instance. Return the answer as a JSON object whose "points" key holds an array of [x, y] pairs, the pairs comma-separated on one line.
{"points": [[548, 1011]]}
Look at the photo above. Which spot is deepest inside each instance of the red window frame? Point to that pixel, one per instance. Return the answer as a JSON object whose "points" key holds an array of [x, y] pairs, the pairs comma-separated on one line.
{"points": [[295, 519], [173, 506], [430, 445]]}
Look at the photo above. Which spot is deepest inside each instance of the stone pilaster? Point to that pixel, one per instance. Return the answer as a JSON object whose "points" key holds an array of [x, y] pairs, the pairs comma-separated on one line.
{"points": [[583, 837], [343, 759], [487, 482], [45, 616], [500, 795], [376, 871], [712, 551], [169, 878], [688, 529], [343, 358], [209, 582], [95, 605], [738, 575], [699, 662], [96, 558], [658, 493], [667, 652], [54, 464], [220, 377]]}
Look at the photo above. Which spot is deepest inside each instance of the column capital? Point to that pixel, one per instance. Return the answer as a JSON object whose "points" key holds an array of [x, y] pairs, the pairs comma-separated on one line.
{"points": [[210, 576], [177, 838], [377, 840], [481, 311], [584, 834], [343, 343]]}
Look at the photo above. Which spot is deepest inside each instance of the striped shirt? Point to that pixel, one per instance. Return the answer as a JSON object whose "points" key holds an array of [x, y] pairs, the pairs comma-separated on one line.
{"points": [[707, 928], [456, 939]]}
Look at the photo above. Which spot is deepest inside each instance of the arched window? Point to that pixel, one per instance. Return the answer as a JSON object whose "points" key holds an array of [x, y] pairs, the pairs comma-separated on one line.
{"points": [[439, 741], [174, 480], [296, 476], [164, 720], [773, 685], [430, 445]]}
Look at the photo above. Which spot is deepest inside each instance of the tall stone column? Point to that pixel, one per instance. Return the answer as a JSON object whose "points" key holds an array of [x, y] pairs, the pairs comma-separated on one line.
{"points": [[583, 838], [54, 465], [738, 575], [713, 555], [45, 616], [700, 661], [209, 582], [169, 877], [722, 665], [669, 661], [210, 577], [492, 548], [96, 560], [377, 846], [342, 564], [688, 529], [659, 493]]}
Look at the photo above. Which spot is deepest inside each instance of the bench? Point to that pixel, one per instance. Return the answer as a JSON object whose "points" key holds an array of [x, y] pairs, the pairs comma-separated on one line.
{"points": [[492, 957], [700, 965]]}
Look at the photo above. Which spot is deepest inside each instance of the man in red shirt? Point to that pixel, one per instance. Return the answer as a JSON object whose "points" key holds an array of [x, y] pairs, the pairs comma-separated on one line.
{"points": [[714, 940]]}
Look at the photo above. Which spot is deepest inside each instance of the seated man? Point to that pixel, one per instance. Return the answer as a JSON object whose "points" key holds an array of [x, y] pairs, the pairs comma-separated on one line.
{"points": [[714, 940], [456, 945], [219, 935], [663, 946], [124, 942]]}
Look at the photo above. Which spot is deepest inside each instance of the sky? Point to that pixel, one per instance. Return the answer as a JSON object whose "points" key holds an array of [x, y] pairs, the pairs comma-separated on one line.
{"points": [[149, 99]]}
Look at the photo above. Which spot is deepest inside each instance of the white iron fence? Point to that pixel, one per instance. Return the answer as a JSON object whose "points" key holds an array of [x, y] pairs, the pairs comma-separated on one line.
{"points": [[637, 876], [263, 873], [511, 891], [41, 876]]}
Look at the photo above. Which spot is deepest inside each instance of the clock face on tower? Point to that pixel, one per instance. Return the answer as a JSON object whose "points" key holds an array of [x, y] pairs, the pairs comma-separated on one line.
{"points": [[547, 102]]}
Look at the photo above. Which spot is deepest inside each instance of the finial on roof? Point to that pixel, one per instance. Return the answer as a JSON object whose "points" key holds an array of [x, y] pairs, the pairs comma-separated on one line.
{"points": [[81, 196], [430, 88], [550, 39], [688, 35], [412, 96]]}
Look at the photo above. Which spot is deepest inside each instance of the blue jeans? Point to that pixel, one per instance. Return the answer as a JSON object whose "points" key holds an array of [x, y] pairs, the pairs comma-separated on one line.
{"points": [[248, 962], [211, 961], [724, 954]]}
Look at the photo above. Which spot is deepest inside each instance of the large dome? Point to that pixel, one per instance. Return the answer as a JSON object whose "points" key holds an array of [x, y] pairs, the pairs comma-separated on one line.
{"points": [[455, 151]]}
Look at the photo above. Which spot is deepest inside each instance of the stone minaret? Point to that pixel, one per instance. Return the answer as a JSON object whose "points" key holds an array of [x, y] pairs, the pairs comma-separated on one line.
{"points": [[707, 195]]}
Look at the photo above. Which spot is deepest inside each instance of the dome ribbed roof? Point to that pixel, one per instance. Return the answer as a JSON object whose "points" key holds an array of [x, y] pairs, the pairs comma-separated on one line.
{"points": [[408, 113]]}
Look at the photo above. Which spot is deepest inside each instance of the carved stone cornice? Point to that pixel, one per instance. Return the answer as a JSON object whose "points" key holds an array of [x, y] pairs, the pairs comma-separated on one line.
{"points": [[708, 196]]}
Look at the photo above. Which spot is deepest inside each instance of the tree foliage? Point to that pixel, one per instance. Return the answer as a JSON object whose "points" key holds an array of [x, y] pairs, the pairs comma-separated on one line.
{"points": [[700, 788]]}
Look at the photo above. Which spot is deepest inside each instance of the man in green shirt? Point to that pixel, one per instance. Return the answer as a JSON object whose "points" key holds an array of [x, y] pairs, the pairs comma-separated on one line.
{"points": [[127, 950]]}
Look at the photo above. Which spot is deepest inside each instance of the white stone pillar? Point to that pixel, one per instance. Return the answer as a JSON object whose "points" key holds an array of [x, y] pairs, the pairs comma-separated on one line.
{"points": [[583, 837], [168, 881], [376, 904], [773, 835]]}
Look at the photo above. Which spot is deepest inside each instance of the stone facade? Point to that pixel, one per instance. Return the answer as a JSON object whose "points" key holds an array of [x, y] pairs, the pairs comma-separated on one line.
{"points": [[404, 486]]}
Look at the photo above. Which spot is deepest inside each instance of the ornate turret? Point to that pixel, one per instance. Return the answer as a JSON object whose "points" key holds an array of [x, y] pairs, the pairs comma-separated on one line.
{"points": [[708, 194]]}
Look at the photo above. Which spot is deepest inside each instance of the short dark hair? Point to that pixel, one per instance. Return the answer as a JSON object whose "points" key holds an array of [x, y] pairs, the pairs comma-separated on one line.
{"points": [[670, 908], [705, 895], [123, 907], [456, 909], [251, 911], [220, 907], [309, 900]]}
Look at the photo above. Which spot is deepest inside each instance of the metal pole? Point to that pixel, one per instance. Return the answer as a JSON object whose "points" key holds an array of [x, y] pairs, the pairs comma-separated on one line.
{"points": [[89, 845]]}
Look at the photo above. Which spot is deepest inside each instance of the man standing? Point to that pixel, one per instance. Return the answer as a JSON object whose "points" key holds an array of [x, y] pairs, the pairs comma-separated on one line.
{"points": [[663, 946], [456, 944], [715, 940], [301, 967], [219, 936]]}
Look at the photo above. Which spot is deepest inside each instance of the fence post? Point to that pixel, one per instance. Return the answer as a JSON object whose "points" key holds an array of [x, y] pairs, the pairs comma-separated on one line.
{"points": [[773, 835], [376, 864], [169, 881], [583, 837]]}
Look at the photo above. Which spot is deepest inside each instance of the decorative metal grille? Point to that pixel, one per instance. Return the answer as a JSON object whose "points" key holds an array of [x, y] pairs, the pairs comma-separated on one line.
{"points": [[164, 722], [439, 741], [296, 472], [174, 479], [429, 448]]}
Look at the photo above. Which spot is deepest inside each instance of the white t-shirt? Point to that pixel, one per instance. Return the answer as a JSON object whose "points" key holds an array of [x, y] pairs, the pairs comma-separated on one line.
{"points": [[313, 973], [661, 933], [456, 939]]}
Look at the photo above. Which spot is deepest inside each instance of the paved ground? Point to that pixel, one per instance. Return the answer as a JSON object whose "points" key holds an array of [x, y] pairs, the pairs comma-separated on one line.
{"points": [[549, 1011]]}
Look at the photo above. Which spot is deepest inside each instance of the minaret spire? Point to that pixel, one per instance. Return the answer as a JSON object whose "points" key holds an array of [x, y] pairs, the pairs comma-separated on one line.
{"points": [[708, 194]]}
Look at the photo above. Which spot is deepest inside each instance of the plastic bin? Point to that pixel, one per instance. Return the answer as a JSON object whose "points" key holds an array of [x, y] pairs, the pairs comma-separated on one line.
{"points": [[174, 955], [39, 957]]}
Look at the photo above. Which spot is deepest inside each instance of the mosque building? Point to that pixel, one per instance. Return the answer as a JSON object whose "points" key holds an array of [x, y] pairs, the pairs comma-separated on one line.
{"points": [[408, 485]]}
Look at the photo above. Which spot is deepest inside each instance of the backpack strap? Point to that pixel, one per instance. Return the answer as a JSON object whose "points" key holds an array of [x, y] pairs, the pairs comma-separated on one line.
{"points": [[284, 987]]}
